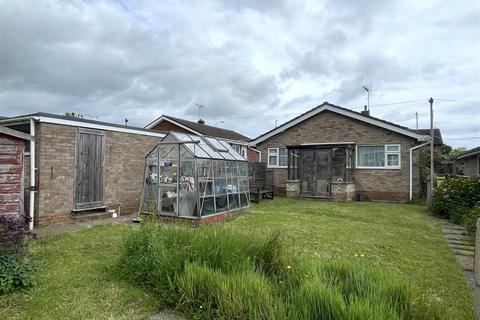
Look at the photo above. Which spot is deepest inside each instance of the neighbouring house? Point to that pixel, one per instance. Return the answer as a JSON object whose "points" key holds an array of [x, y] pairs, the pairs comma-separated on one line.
{"points": [[81, 165], [238, 141], [336, 153], [12, 146], [471, 160], [437, 141]]}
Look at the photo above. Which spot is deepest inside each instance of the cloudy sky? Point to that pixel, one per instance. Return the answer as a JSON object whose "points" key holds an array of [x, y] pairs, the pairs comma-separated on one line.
{"points": [[250, 63]]}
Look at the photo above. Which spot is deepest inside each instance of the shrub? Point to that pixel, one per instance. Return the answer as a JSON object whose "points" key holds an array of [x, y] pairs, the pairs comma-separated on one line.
{"points": [[211, 272], [15, 273], [470, 220], [13, 233], [455, 197]]}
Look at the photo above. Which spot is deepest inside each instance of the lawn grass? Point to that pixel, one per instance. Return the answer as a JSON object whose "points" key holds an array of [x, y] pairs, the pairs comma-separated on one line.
{"points": [[400, 238], [75, 279]]}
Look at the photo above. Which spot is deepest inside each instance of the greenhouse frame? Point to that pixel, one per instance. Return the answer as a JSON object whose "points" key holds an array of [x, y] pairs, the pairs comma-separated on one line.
{"points": [[189, 176]]}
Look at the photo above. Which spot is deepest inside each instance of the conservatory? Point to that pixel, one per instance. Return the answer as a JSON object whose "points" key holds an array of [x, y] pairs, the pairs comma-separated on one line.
{"points": [[190, 176]]}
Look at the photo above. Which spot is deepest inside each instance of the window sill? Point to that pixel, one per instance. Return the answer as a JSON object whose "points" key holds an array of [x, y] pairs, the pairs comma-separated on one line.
{"points": [[277, 167]]}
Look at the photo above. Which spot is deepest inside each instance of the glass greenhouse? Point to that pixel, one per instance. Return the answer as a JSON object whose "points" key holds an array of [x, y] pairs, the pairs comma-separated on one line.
{"points": [[193, 176]]}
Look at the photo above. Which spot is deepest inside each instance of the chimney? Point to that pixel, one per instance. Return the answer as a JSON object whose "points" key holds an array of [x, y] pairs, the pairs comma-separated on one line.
{"points": [[200, 121], [365, 111]]}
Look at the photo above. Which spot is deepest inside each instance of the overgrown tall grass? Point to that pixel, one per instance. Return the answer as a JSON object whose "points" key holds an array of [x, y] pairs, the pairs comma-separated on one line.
{"points": [[212, 272]]}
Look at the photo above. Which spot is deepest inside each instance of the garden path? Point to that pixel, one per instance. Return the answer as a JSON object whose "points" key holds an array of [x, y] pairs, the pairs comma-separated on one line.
{"points": [[460, 242]]}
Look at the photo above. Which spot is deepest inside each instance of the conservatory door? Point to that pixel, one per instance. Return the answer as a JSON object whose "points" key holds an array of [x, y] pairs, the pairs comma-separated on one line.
{"points": [[315, 172]]}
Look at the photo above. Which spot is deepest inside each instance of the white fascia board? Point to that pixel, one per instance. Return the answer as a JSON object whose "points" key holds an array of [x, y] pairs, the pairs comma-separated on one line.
{"points": [[242, 143], [97, 126], [342, 112]]}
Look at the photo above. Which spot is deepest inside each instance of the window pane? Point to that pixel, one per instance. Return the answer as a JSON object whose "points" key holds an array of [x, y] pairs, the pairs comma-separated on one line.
{"points": [[371, 156], [272, 160], [392, 160], [283, 157], [393, 148], [273, 151]]}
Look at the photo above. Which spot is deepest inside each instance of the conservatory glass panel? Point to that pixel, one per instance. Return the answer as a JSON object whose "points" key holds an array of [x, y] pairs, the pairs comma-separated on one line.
{"points": [[217, 145], [205, 186], [212, 153], [232, 154], [150, 191], [187, 190], [168, 162]]}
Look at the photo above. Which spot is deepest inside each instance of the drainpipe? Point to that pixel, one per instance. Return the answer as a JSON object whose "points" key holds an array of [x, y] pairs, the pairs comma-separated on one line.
{"points": [[32, 175], [411, 167]]}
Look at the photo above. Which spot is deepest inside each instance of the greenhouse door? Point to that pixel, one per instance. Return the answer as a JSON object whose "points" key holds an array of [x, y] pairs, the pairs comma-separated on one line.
{"points": [[315, 172], [89, 158]]}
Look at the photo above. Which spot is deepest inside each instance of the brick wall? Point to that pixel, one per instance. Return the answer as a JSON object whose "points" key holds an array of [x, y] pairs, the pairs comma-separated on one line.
{"points": [[328, 127], [166, 126], [124, 164]]}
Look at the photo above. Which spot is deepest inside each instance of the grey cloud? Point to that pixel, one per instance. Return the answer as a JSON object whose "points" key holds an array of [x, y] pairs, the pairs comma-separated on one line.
{"points": [[241, 59]]}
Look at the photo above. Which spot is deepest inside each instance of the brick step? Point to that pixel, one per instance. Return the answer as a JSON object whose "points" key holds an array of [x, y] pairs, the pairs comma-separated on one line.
{"points": [[459, 242], [84, 217], [455, 231], [452, 226], [457, 237], [461, 247], [468, 253]]}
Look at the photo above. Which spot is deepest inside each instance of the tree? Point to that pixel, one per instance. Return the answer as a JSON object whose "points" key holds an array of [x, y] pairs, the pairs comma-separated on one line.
{"points": [[446, 149]]}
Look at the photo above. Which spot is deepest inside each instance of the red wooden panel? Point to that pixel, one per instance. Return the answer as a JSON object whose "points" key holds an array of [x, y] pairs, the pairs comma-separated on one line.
{"points": [[10, 159], [9, 197], [6, 139], [9, 178], [10, 149], [9, 188], [11, 208], [10, 168]]}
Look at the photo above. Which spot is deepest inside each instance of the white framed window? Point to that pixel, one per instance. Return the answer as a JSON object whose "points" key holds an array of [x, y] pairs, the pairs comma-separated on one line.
{"points": [[277, 157], [378, 156]]}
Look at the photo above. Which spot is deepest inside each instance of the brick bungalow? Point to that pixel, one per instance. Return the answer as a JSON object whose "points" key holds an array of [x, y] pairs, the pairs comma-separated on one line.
{"points": [[471, 160], [336, 153], [238, 141]]}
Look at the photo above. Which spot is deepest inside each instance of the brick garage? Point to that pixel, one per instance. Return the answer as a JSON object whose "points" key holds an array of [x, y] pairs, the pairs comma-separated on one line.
{"points": [[332, 124], [55, 162], [123, 171]]}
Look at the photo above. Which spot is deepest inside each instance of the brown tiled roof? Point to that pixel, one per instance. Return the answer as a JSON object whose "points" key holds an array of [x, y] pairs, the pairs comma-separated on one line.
{"points": [[210, 130]]}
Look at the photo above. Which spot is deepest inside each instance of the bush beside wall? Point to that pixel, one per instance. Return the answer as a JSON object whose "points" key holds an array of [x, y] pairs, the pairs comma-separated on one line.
{"points": [[455, 198], [16, 272]]}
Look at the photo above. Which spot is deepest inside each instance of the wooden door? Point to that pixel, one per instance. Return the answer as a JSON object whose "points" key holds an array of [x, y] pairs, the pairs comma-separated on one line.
{"points": [[89, 161]]}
